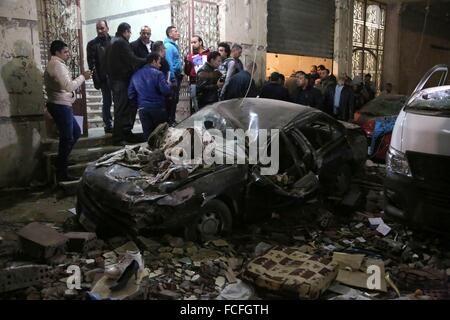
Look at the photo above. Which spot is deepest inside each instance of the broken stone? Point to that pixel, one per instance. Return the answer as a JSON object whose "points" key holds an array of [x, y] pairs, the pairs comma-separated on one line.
{"points": [[94, 254], [220, 282], [185, 260], [195, 278], [166, 255], [89, 261], [169, 295], [57, 260], [70, 294], [79, 241], [129, 246], [262, 248], [176, 242], [189, 272], [186, 285], [148, 244], [220, 243], [178, 251], [155, 273], [191, 250], [41, 242]]}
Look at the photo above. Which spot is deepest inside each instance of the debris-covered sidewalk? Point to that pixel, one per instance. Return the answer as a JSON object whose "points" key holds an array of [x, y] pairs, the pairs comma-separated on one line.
{"points": [[305, 252]]}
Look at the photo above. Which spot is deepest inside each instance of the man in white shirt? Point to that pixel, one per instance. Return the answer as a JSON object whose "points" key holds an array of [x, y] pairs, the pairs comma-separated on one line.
{"points": [[142, 47], [60, 88]]}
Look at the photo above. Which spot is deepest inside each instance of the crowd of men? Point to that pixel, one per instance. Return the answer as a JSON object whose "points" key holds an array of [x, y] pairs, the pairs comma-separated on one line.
{"points": [[144, 77], [339, 97]]}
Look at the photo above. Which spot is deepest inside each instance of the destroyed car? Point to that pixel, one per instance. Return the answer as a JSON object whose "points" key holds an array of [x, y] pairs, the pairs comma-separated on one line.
{"points": [[156, 186]]}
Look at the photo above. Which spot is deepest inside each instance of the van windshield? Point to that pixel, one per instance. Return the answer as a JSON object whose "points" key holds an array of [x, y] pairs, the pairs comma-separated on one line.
{"points": [[433, 99]]}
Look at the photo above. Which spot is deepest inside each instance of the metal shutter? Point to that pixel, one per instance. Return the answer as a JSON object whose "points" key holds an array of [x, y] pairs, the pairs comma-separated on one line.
{"points": [[301, 27]]}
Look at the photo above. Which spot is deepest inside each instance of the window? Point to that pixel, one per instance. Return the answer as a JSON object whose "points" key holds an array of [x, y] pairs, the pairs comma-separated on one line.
{"points": [[320, 133], [369, 21]]}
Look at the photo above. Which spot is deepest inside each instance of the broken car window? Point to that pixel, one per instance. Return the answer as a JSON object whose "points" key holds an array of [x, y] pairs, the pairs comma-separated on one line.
{"points": [[319, 133], [434, 99]]}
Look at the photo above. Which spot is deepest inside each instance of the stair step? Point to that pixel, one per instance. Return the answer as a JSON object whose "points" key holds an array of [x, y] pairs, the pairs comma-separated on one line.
{"points": [[77, 170], [68, 188], [84, 155], [51, 145]]}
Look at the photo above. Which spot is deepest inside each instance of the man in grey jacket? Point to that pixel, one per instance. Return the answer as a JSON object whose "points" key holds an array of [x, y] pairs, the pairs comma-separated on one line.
{"points": [[60, 88]]}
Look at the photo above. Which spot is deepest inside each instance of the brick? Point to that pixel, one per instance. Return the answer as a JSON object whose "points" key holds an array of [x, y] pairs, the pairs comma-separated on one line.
{"points": [[80, 241], [41, 242], [23, 277]]}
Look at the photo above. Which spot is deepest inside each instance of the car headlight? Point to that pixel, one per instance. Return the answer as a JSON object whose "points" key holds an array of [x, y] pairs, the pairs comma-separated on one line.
{"points": [[396, 162]]}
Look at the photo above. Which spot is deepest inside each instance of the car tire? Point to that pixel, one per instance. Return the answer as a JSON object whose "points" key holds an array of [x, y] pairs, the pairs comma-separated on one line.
{"points": [[214, 220]]}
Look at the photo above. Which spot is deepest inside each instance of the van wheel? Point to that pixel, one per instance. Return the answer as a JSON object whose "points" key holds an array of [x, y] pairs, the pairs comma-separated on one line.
{"points": [[213, 221]]}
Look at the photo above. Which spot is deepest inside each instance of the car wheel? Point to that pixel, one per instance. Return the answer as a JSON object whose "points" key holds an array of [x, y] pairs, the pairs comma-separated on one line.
{"points": [[213, 221]]}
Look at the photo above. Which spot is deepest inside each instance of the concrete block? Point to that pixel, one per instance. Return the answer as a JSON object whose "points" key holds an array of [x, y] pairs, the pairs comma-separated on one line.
{"points": [[41, 242]]}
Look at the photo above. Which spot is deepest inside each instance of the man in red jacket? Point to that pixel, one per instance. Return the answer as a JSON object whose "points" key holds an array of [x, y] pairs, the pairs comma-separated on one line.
{"points": [[193, 62]]}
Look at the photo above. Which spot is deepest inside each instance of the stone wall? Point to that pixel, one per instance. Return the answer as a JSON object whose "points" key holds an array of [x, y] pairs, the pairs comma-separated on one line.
{"points": [[21, 94]]}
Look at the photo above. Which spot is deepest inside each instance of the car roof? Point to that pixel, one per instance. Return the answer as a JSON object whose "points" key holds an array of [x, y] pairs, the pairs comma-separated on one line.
{"points": [[257, 113]]}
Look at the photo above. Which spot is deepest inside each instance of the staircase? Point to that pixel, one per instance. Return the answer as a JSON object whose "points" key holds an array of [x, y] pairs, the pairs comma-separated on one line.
{"points": [[94, 107], [86, 150], [89, 149]]}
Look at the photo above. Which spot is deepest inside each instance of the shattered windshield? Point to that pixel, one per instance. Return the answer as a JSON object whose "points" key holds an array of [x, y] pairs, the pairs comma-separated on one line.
{"points": [[384, 106], [434, 99], [208, 118]]}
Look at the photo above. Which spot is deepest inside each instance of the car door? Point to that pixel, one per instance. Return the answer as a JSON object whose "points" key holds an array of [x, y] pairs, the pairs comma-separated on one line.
{"points": [[293, 183], [332, 154]]}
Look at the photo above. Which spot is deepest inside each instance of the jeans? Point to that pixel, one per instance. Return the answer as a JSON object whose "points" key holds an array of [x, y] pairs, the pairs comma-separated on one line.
{"points": [[194, 101], [69, 133], [107, 102], [175, 98], [122, 110], [151, 118]]}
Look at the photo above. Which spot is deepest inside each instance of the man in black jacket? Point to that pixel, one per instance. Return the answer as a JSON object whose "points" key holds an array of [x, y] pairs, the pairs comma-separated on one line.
{"points": [[208, 80], [96, 58], [121, 64], [342, 100], [274, 89], [242, 84], [308, 95], [142, 47]]}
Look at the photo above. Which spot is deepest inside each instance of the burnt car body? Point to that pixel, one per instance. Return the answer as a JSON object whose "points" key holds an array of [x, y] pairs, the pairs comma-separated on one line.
{"points": [[317, 154], [377, 118]]}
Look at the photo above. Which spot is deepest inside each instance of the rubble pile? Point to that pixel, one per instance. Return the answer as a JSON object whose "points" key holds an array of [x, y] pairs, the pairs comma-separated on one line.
{"points": [[306, 252]]}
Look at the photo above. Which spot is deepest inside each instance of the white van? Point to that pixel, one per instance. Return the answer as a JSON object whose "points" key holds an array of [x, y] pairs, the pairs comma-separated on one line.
{"points": [[417, 186]]}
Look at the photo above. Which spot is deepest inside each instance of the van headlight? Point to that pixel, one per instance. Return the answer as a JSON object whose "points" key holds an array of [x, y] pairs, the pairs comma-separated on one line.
{"points": [[396, 162]]}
